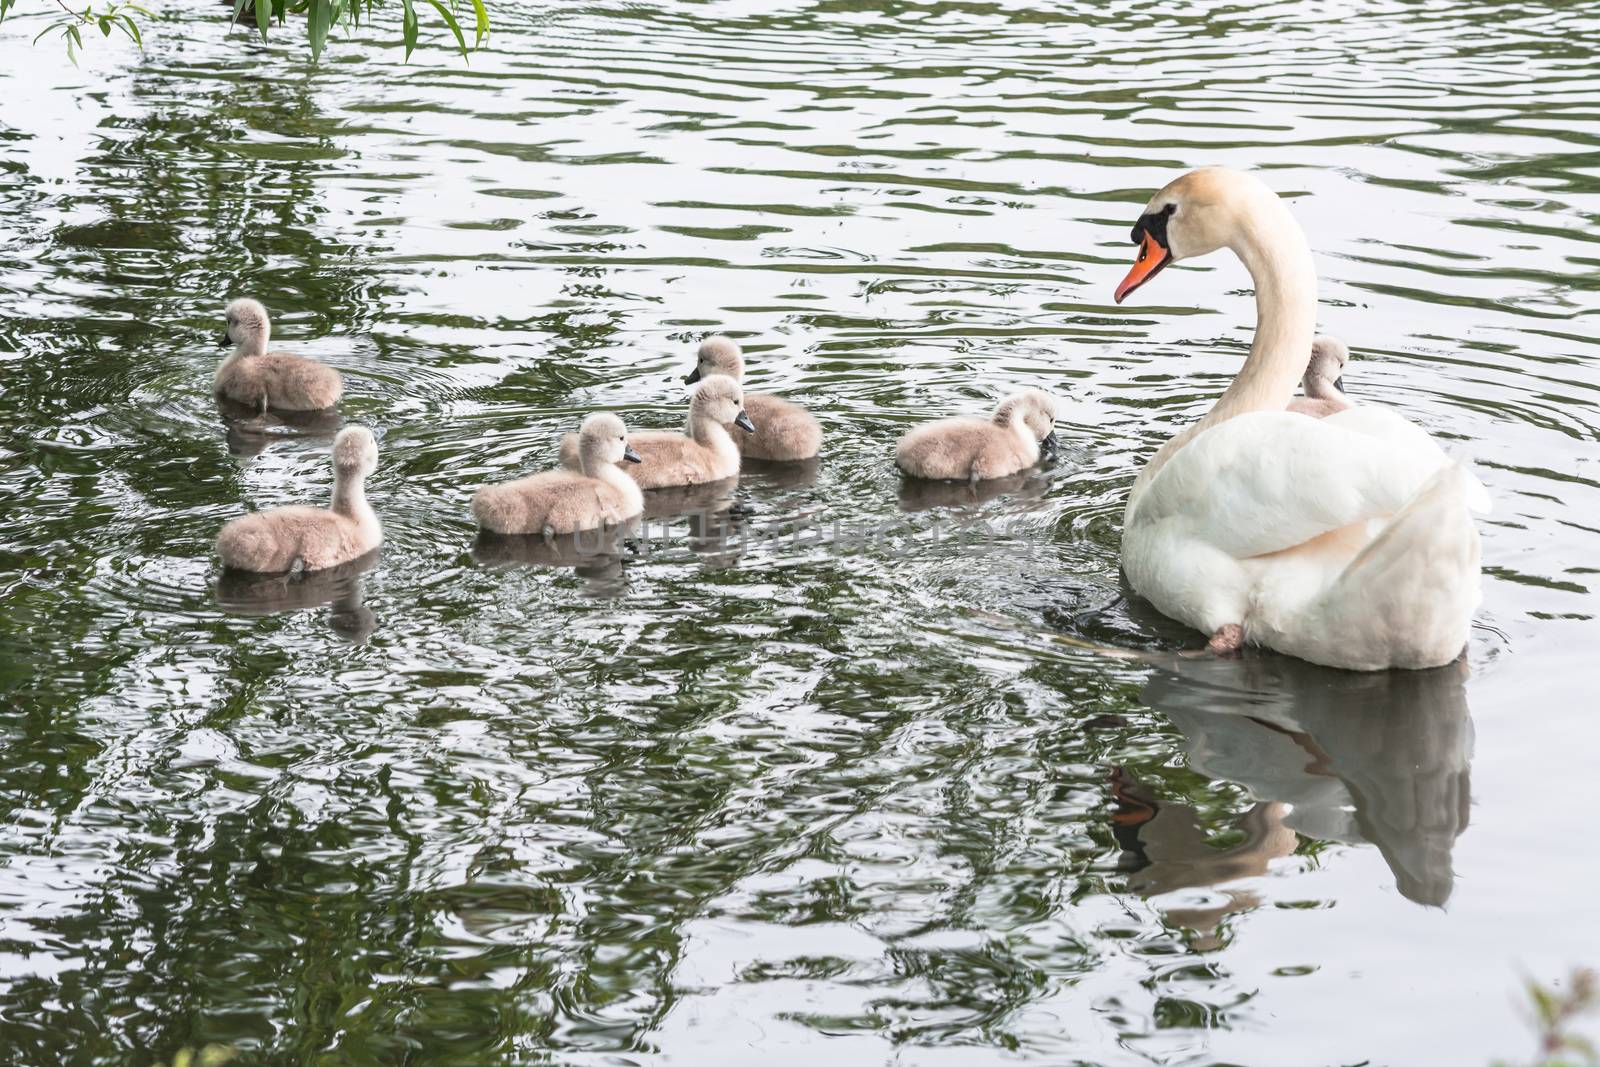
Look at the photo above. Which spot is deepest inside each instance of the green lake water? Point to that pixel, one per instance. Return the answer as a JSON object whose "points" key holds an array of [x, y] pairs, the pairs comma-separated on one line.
{"points": [[829, 778]]}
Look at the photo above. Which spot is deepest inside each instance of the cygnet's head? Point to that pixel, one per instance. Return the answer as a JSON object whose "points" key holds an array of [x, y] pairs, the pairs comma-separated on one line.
{"points": [[355, 452], [719, 398], [247, 323], [604, 439], [718, 355], [1328, 357], [1035, 409]]}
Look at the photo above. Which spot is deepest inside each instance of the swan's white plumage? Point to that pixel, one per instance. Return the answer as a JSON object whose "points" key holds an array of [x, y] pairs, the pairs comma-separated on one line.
{"points": [[1268, 481], [1347, 540], [1402, 601], [1256, 517]]}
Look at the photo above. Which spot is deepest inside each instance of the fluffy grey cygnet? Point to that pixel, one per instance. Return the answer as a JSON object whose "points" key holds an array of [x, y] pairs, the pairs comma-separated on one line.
{"points": [[261, 379], [975, 449], [784, 431], [565, 501], [278, 540], [1324, 379]]}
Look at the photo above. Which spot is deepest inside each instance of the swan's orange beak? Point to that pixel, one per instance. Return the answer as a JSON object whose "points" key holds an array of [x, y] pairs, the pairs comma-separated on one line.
{"points": [[1152, 257]]}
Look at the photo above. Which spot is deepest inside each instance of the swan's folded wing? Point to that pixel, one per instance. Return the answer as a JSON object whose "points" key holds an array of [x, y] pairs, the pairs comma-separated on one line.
{"points": [[1268, 481], [1401, 433]]}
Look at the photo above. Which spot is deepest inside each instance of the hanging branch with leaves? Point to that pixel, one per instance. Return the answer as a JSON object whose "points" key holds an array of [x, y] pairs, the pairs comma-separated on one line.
{"points": [[321, 16]]}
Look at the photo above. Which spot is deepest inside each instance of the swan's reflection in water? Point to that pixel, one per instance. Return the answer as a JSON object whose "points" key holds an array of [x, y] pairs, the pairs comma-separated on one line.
{"points": [[922, 494], [596, 555], [1376, 758], [714, 519], [250, 431], [341, 587], [673, 501], [765, 474]]}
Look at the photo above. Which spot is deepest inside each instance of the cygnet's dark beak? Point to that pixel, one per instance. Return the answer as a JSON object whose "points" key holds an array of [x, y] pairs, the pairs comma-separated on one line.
{"points": [[694, 376], [1338, 383], [223, 341], [630, 455], [744, 423], [1050, 445]]}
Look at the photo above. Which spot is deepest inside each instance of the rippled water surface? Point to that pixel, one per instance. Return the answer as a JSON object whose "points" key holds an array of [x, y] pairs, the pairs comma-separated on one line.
{"points": [[742, 796]]}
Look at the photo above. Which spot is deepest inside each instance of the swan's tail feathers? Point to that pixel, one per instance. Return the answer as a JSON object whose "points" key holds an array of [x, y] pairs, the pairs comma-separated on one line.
{"points": [[1407, 599]]}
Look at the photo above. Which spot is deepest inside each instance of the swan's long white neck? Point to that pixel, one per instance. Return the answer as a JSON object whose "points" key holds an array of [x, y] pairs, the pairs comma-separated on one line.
{"points": [[1273, 248]]}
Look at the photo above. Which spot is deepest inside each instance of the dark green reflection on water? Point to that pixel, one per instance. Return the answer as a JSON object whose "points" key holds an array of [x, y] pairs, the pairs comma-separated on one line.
{"points": [[731, 794]]}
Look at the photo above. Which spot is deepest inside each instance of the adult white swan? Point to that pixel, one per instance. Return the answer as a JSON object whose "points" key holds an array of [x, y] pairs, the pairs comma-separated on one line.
{"points": [[1347, 541]]}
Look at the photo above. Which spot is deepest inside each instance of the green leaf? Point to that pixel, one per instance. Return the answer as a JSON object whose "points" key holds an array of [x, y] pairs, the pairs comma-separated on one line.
{"points": [[408, 25], [481, 13], [319, 17], [1545, 1005], [131, 28], [455, 27], [263, 16]]}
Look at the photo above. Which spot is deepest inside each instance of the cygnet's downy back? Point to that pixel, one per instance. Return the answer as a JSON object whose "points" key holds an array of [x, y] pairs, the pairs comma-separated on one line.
{"points": [[973, 449]]}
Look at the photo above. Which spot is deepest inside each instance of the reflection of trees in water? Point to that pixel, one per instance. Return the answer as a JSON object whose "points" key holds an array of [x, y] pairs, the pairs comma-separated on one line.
{"points": [[1356, 758], [295, 894], [206, 185]]}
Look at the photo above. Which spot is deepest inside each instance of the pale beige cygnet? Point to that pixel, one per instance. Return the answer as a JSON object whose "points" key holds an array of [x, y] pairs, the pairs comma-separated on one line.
{"points": [[785, 431], [1324, 380], [563, 501], [260, 379], [976, 449], [278, 540]]}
